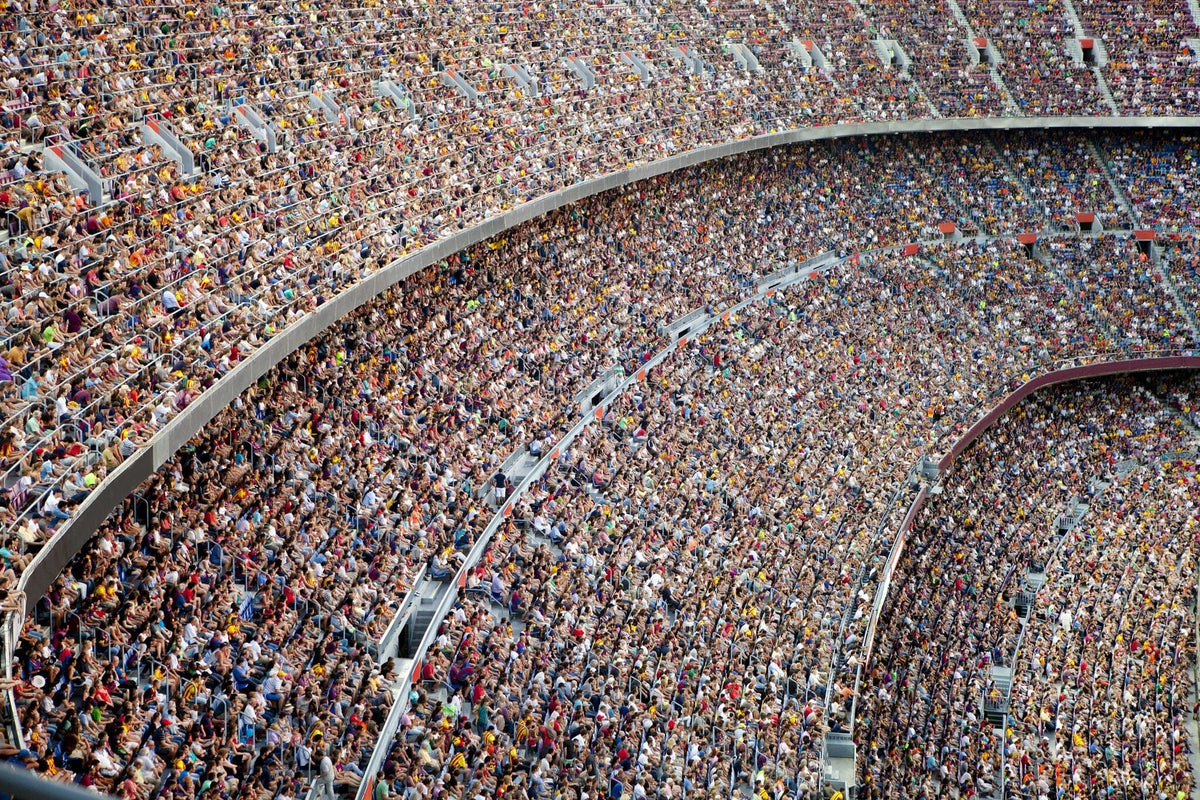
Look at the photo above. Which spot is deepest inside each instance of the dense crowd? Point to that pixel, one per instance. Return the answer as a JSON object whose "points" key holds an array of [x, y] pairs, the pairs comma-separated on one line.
{"points": [[105, 345], [1151, 69], [1065, 178], [1045, 73], [604, 554], [274, 596], [127, 305], [1080, 704], [417, 428], [1181, 259], [1161, 195], [220, 636], [944, 61], [1130, 295]]}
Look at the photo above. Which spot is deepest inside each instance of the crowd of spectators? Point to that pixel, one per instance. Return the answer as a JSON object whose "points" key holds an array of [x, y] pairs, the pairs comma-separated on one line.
{"points": [[1064, 178], [1127, 292], [1184, 397], [291, 467], [280, 544], [980, 179], [1160, 177], [1103, 675], [1041, 62], [1180, 260], [222, 633], [1151, 67], [128, 305], [105, 345], [219, 636], [603, 554], [944, 60]]}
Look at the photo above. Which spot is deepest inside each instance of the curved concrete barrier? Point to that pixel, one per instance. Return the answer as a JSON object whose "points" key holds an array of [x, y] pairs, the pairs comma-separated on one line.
{"points": [[1100, 369]]}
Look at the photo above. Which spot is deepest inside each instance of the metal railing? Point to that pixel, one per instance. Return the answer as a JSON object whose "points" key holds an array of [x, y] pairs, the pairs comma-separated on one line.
{"points": [[699, 325]]}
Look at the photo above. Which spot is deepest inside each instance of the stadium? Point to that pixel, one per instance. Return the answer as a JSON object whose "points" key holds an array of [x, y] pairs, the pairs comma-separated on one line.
{"points": [[612, 400]]}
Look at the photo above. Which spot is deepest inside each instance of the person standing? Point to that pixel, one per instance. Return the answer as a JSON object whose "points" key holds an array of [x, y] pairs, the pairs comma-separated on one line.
{"points": [[325, 777]]}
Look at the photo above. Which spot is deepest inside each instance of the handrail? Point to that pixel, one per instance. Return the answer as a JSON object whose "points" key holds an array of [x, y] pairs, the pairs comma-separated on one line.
{"points": [[837, 651], [392, 632]]}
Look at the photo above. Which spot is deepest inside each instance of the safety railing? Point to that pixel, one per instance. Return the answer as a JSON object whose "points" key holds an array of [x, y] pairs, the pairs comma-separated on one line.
{"points": [[389, 641]]}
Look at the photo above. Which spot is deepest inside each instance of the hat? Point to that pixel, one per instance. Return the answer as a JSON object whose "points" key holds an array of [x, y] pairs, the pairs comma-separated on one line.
{"points": [[26, 754]]}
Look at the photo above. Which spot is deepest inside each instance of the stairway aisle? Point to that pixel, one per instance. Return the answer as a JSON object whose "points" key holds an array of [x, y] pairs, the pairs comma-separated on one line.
{"points": [[1117, 191], [1105, 92], [1164, 273], [1019, 179], [1010, 105]]}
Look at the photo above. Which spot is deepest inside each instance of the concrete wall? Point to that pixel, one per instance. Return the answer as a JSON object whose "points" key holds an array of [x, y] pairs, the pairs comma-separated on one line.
{"points": [[1097, 370]]}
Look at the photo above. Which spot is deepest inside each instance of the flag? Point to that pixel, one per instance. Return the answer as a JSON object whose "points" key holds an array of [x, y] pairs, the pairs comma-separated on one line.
{"points": [[246, 611]]}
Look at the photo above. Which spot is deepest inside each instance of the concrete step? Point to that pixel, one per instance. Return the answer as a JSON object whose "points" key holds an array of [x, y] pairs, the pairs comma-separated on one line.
{"points": [[1117, 191], [1105, 91]]}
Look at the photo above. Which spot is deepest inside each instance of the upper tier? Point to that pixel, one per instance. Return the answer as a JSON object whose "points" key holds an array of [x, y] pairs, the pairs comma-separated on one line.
{"points": [[184, 181]]}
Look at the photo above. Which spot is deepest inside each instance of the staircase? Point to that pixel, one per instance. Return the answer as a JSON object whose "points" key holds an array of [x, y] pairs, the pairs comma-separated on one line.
{"points": [[1073, 15], [1009, 104], [1105, 92], [1190, 720], [997, 79], [521, 467], [1168, 283], [1117, 191], [1015, 175], [933, 110], [957, 11], [830, 73], [994, 711], [422, 617], [1194, 7], [1100, 53]]}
